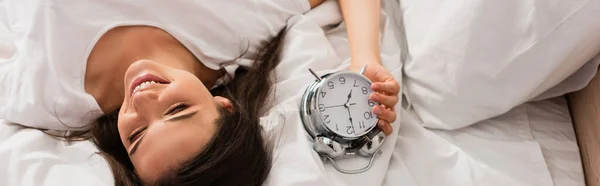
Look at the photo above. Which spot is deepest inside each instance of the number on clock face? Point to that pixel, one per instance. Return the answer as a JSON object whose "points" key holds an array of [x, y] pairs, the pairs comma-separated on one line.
{"points": [[345, 106]]}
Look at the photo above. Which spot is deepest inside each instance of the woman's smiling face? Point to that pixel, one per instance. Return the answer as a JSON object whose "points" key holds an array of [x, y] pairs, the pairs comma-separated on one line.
{"points": [[167, 117]]}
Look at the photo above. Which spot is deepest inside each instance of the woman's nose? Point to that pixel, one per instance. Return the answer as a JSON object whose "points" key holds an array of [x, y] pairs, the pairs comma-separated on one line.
{"points": [[147, 105]]}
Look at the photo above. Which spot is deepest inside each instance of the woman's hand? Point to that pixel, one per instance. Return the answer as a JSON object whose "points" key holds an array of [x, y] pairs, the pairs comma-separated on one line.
{"points": [[362, 18], [386, 93]]}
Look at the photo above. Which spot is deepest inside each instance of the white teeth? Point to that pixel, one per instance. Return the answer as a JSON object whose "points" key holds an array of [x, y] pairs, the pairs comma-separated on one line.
{"points": [[144, 84]]}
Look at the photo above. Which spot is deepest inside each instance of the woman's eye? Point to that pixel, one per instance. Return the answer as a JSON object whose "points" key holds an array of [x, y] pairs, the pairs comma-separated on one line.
{"points": [[177, 108], [136, 134]]}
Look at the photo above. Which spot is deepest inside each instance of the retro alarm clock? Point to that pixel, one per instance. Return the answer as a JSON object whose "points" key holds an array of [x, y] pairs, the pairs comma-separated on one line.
{"points": [[337, 113]]}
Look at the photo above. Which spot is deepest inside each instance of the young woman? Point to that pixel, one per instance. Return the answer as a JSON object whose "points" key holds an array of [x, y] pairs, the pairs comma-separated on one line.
{"points": [[171, 92]]}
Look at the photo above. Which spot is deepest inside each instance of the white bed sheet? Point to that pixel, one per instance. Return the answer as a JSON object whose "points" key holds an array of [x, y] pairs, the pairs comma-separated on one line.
{"points": [[533, 144], [551, 125], [29, 157], [545, 124]]}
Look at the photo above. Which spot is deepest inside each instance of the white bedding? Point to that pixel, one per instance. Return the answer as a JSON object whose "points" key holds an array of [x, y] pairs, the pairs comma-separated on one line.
{"points": [[532, 144], [544, 127], [29, 157], [485, 57]]}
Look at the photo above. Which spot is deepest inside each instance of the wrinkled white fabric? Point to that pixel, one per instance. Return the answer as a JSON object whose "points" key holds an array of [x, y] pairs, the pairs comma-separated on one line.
{"points": [[530, 145], [577, 81], [551, 125], [7, 47], [476, 59], [28, 157]]}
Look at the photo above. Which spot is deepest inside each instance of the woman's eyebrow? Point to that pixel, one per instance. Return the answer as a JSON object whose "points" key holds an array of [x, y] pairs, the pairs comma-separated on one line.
{"points": [[181, 117], [173, 119]]}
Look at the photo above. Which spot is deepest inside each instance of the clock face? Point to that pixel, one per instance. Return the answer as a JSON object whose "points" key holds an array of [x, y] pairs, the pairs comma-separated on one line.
{"points": [[344, 104]]}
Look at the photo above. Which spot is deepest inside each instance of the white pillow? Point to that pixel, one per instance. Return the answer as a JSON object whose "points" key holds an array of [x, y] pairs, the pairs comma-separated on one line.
{"points": [[577, 81], [475, 59]]}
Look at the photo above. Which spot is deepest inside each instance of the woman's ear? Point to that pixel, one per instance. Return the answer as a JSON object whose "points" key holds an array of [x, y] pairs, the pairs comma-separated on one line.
{"points": [[224, 102]]}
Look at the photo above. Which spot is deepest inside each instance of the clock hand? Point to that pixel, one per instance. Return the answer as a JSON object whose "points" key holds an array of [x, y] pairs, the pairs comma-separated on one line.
{"points": [[349, 96], [350, 116], [344, 105]]}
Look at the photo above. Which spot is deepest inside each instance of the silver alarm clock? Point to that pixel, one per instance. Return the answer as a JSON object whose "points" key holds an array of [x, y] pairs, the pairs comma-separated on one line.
{"points": [[337, 113]]}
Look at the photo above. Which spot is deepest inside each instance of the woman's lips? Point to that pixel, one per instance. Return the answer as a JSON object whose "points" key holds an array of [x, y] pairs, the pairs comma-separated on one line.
{"points": [[145, 78]]}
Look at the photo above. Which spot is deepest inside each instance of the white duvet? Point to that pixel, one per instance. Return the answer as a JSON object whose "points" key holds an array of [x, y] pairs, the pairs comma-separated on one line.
{"points": [[412, 155]]}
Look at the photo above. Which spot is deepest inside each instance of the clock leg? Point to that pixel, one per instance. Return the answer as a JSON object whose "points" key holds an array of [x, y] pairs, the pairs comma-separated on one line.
{"points": [[328, 147]]}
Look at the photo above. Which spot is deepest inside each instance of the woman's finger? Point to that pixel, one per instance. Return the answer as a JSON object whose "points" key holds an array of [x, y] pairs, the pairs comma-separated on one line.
{"points": [[390, 87], [388, 101], [385, 114], [385, 127]]}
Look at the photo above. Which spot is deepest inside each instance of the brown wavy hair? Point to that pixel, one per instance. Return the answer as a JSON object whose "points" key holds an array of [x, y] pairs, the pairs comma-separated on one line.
{"points": [[238, 153]]}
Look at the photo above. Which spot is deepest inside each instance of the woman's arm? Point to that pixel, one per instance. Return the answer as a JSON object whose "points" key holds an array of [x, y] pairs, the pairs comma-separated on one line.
{"points": [[362, 19], [315, 3], [362, 23]]}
